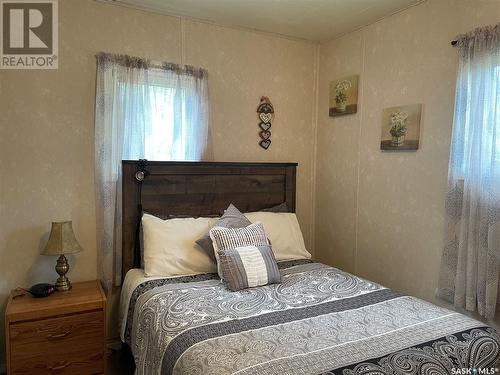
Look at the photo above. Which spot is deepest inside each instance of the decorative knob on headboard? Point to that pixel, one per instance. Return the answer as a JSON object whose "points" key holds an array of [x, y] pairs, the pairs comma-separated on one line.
{"points": [[142, 173]]}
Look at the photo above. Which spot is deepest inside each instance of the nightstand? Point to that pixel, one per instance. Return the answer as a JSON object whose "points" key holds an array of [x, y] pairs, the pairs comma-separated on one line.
{"points": [[63, 333]]}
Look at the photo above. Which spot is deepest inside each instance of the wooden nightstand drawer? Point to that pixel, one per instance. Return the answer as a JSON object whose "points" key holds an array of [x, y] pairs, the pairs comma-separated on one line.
{"points": [[86, 361], [69, 344], [60, 334]]}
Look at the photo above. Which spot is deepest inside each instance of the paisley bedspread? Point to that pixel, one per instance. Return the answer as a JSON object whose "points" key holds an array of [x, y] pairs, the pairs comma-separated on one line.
{"points": [[319, 320]]}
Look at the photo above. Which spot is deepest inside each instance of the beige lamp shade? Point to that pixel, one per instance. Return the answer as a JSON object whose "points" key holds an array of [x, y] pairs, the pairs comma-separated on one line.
{"points": [[62, 240]]}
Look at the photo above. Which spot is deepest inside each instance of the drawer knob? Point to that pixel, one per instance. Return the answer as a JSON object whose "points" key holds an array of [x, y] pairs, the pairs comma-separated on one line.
{"points": [[60, 367]]}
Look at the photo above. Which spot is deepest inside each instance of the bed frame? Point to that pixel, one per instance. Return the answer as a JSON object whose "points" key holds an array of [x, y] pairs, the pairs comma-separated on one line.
{"points": [[197, 189]]}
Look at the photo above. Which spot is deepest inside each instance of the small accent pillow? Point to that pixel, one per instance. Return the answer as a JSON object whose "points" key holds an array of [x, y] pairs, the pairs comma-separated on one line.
{"points": [[230, 238], [232, 218], [248, 266]]}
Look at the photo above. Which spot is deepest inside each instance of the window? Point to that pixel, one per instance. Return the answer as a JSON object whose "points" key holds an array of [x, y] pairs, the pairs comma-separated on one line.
{"points": [[144, 109], [469, 267], [476, 142], [161, 142]]}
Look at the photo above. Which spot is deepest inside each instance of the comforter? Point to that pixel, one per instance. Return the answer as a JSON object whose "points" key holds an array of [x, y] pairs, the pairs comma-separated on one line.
{"points": [[319, 320]]}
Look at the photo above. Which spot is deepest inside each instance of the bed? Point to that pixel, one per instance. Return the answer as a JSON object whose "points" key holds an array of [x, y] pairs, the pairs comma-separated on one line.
{"points": [[318, 320]]}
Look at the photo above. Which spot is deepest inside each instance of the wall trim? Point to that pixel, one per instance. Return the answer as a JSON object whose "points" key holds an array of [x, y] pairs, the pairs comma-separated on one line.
{"points": [[183, 40], [145, 8], [149, 9], [369, 23], [314, 151], [358, 162]]}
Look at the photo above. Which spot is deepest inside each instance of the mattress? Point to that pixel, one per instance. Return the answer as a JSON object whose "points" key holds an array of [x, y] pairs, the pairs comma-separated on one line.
{"points": [[319, 320]]}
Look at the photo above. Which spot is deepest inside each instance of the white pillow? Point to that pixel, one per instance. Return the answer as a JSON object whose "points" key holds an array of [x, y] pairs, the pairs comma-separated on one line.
{"points": [[284, 232], [170, 248]]}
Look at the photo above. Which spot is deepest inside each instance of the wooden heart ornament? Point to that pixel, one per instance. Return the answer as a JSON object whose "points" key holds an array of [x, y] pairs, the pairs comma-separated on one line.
{"points": [[266, 117], [265, 126], [265, 143], [265, 134], [265, 111]]}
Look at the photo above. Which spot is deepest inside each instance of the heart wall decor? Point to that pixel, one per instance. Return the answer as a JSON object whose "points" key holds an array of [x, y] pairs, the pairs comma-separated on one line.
{"points": [[265, 143], [265, 134], [266, 117], [265, 125], [265, 112]]}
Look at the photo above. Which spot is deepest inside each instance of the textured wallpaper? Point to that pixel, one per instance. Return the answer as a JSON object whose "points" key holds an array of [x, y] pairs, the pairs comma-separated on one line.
{"points": [[377, 214], [47, 124], [242, 67], [381, 214]]}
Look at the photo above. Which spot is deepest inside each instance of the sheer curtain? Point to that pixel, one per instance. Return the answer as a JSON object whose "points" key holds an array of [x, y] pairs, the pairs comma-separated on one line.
{"points": [[470, 260], [144, 109]]}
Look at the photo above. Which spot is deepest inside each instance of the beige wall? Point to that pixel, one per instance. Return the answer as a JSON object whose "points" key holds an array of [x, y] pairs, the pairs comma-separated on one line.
{"points": [[47, 123], [377, 214], [380, 214]]}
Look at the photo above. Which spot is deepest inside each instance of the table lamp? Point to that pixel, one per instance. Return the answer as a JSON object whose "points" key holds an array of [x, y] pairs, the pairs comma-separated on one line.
{"points": [[62, 241]]}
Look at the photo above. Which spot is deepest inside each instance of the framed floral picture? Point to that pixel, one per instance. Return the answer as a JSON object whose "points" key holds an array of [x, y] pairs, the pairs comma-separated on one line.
{"points": [[401, 128], [344, 96]]}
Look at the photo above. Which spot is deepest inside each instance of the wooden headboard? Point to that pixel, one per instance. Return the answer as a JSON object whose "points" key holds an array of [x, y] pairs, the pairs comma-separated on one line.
{"points": [[198, 189]]}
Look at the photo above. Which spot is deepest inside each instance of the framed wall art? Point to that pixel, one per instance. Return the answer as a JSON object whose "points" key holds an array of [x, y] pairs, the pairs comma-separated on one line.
{"points": [[401, 128], [344, 96]]}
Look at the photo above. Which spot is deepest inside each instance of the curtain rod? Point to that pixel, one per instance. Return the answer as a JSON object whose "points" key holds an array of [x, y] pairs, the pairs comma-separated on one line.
{"points": [[485, 30]]}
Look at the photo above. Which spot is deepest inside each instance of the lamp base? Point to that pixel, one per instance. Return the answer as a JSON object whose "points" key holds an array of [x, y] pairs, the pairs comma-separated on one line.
{"points": [[62, 267], [63, 284]]}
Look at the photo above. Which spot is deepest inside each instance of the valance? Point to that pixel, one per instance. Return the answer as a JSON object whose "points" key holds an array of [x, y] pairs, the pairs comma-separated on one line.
{"points": [[143, 63], [480, 40]]}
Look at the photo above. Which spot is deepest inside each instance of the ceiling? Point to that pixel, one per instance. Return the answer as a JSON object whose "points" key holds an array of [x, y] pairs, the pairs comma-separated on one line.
{"points": [[314, 20]]}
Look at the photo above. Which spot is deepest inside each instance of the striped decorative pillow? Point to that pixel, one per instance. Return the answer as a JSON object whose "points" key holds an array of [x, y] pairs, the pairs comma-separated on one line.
{"points": [[248, 257], [248, 266]]}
